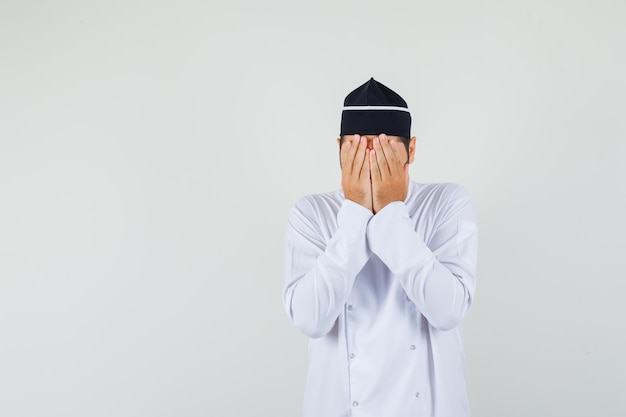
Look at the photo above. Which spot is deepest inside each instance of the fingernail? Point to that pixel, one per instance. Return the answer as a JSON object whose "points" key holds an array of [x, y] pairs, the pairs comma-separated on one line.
{"points": [[383, 136], [376, 141]]}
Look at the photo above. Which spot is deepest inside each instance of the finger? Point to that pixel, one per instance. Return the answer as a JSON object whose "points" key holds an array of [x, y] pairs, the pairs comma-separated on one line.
{"points": [[343, 153], [400, 156], [365, 167], [390, 151], [374, 168], [352, 151], [360, 156], [347, 153], [383, 167]]}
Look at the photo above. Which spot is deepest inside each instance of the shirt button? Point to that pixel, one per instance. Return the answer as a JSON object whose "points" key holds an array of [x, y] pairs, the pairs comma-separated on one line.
{"points": [[350, 307], [352, 356], [412, 347], [355, 404], [417, 394], [407, 298]]}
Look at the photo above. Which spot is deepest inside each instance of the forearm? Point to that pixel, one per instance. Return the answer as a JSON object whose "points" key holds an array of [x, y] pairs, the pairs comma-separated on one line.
{"points": [[442, 296], [441, 281], [319, 275]]}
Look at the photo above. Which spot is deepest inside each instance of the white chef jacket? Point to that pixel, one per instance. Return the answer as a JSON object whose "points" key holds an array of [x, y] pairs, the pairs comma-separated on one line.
{"points": [[382, 298]]}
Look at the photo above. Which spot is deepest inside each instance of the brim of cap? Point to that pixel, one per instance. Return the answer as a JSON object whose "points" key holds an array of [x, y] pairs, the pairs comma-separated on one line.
{"points": [[389, 122]]}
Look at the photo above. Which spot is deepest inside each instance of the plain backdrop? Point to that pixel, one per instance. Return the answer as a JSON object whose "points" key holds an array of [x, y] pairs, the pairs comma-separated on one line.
{"points": [[150, 151]]}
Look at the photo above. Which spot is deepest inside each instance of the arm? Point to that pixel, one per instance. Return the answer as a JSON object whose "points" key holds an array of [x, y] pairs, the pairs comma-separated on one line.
{"points": [[440, 278], [319, 275]]}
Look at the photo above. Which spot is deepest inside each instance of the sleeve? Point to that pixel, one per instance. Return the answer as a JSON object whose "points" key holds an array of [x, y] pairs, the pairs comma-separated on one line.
{"points": [[440, 278], [319, 275]]}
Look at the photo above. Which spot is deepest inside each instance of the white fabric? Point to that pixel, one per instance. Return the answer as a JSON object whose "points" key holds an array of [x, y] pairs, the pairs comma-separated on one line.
{"points": [[382, 298], [376, 108]]}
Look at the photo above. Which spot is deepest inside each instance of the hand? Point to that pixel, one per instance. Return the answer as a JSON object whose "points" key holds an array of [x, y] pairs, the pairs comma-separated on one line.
{"points": [[355, 171], [389, 172]]}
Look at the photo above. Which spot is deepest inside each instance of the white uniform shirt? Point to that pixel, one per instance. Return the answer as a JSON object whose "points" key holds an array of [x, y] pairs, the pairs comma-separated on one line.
{"points": [[382, 298]]}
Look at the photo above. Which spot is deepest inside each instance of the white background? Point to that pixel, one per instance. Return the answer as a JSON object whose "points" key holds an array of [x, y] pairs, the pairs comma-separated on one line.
{"points": [[150, 151]]}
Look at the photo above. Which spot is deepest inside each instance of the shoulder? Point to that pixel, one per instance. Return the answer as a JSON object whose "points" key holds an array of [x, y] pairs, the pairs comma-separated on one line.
{"points": [[316, 205], [439, 200], [441, 192]]}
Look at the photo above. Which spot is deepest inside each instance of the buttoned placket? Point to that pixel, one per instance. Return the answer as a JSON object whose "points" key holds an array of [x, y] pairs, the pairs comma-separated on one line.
{"points": [[350, 311], [414, 347]]}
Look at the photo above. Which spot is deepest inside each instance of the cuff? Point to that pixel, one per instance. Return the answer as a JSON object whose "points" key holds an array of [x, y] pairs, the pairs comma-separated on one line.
{"points": [[392, 237]]}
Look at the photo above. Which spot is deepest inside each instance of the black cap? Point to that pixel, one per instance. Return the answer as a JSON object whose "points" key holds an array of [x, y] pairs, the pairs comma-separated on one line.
{"points": [[374, 108]]}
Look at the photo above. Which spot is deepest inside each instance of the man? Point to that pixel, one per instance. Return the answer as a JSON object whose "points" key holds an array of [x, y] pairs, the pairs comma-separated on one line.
{"points": [[380, 275]]}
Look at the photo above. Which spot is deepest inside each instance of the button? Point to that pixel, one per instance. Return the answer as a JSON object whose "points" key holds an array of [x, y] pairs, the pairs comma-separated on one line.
{"points": [[417, 395], [407, 297], [412, 347], [350, 307], [352, 356], [355, 404]]}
